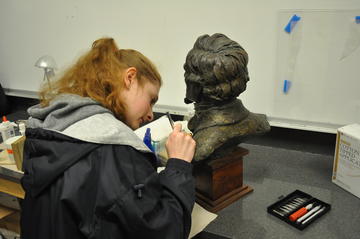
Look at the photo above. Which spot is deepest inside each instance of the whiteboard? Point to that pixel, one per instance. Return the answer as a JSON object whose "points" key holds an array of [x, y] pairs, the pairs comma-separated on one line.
{"points": [[321, 58], [165, 31]]}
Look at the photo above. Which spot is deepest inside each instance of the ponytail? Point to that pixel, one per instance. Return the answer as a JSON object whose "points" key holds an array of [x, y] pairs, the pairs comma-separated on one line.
{"points": [[103, 49]]}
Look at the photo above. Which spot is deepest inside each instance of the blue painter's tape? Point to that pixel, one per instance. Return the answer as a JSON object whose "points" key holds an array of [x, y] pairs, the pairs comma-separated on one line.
{"points": [[286, 87], [357, 19], [293, 20]]}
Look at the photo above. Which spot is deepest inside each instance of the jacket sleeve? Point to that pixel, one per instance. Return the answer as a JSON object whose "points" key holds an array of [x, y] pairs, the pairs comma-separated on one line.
{"points": [[153, 205], [177, 180]]}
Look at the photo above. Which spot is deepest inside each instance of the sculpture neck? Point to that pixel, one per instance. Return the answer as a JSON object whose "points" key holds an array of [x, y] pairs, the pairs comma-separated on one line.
{"points": [[214, 105], [217, 115]]}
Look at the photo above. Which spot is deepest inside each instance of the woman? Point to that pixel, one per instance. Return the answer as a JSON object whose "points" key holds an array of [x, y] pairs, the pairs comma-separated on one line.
{"points": [[86, 174]]}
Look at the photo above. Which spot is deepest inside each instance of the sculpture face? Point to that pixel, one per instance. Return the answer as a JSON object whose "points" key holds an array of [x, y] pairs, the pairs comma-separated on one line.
{"points": [[215, 75], [193, 88]]}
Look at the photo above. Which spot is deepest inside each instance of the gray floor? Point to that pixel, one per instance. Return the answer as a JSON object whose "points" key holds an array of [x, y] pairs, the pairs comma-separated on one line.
{"points": [[278, 164]]}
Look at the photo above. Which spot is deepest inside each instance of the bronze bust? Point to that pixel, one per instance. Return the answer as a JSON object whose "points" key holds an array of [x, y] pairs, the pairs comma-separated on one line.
{"points": [[215, 75]]}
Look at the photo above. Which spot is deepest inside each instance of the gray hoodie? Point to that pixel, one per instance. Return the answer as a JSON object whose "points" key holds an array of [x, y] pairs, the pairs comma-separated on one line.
{"points": [[85, 119]]}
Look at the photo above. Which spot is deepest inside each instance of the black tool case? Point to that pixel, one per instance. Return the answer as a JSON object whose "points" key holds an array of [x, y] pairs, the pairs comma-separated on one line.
{"points": [[294, 201]]}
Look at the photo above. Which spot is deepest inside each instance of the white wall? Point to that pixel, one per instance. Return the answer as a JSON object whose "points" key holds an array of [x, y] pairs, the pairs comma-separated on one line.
{"points": [[164, 31]]}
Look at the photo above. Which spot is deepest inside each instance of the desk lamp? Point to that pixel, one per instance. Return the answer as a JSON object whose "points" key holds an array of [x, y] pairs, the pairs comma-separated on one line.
{"points": [[48, 64]]}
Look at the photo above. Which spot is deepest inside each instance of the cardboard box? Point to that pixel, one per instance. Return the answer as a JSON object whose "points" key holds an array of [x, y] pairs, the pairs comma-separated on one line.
{"points": [[14, 148], [346, 168]]}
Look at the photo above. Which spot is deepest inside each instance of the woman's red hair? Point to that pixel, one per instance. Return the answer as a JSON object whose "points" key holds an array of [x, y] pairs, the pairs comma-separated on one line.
{"points": [[98, 75]]}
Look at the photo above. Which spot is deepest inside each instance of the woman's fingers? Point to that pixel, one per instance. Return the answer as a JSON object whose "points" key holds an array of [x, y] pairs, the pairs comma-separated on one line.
{"points": [[180, 144], [177, 128]]}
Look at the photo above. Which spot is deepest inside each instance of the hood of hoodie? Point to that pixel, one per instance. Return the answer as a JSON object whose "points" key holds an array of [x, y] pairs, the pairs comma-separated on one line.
{"points": [[75, 122], [85, 119]]}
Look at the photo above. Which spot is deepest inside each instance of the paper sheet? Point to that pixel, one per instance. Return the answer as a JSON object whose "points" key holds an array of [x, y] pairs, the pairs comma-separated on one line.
{"points": [[200, 219], [160, 129], [353, 40], [295, 38]]}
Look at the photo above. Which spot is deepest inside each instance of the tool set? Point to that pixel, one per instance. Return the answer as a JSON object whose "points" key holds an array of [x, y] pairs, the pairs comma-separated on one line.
{"points": [[299, 209]]}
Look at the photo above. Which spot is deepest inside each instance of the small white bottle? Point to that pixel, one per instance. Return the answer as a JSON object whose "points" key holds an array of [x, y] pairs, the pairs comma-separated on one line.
{"points": [[6, 129], [22, 129]]}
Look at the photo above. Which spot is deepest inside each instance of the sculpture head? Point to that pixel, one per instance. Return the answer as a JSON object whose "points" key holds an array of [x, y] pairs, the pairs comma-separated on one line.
{"points": [[215, 70], [216, 74]]}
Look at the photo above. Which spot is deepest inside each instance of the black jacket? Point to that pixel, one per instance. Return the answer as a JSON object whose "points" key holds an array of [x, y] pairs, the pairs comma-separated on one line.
{"points": [[77, 189]]}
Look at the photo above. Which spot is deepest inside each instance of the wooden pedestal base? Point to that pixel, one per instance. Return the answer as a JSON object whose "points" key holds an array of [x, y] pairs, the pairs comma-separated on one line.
{"points": [[219, 182]]}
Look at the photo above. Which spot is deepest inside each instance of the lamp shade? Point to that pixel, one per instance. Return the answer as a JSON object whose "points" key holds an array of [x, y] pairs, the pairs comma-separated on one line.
{"points": [[46, 62]]}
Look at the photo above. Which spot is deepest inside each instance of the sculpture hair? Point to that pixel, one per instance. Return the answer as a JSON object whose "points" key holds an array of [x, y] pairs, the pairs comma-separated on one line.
{"points": [[220, 65]]}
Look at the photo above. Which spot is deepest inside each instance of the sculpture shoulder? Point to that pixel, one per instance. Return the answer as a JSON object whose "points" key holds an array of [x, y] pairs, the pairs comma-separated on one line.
{"points": [[257, 123], [252, 124], [211, 138]]}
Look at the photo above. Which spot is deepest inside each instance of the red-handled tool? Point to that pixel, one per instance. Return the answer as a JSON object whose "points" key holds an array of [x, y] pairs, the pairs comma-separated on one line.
{"points": [[300, 212]]}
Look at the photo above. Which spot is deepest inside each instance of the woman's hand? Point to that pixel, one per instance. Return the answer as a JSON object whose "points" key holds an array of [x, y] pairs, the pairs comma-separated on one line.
{"points": [[180, 145]]}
